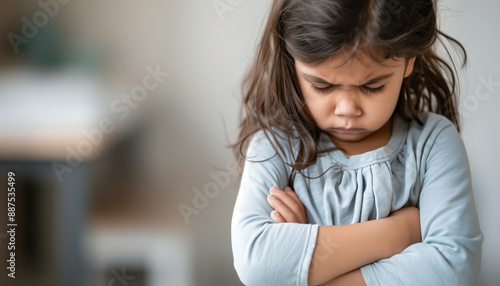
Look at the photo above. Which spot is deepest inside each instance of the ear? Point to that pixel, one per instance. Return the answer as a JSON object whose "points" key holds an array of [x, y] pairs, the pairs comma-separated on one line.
{"points": [[409, 67]]}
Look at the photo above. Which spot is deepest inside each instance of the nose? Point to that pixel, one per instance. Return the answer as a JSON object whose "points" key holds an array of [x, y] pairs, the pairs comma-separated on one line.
{"points": [[347, 106]]}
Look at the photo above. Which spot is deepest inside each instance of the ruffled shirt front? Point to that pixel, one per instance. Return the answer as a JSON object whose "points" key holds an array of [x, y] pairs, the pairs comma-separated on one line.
{"points": [[422, 165]]}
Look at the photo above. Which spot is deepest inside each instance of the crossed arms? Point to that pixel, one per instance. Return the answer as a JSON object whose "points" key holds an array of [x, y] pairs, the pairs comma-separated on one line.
{"points": [[341, 250]]}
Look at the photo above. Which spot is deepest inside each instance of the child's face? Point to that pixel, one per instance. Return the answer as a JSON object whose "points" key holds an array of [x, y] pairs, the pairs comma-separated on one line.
{"points": [[353, 102]]}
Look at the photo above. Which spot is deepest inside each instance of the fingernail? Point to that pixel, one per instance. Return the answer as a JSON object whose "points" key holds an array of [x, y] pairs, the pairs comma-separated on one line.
{"points": [[276, 213], [272, 197], [288, 189], [274, 190]]}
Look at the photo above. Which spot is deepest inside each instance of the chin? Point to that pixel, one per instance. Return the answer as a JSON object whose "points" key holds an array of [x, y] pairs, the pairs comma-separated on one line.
{"points": [[349, 137]]}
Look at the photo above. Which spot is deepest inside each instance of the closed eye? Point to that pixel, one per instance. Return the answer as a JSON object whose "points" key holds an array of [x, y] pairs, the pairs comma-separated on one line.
{"points": [[330, 88], [373, 90], [327, 89]]}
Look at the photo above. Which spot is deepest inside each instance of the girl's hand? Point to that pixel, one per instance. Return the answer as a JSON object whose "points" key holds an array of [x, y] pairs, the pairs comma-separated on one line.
{"points": [[287, 206]]}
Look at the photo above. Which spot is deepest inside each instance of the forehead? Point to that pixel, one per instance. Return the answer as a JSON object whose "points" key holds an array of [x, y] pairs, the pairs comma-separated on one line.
{"points": [[352, 70]]}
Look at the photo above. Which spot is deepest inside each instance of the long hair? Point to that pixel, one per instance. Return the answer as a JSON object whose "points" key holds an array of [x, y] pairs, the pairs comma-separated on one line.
{"points": [[312, 31]]}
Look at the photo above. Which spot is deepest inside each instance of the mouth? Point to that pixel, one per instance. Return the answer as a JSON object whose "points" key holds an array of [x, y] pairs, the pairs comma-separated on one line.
{"points": [[347, 130]]}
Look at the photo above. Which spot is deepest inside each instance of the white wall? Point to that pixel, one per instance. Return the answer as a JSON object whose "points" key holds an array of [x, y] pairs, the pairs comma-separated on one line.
{"points": [[475, 24]]}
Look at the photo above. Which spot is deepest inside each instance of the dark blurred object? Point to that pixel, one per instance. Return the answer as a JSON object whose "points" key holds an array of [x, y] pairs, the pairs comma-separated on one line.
{"points": [[36, 35], [50, 217], [26, 40], [46, 49], [11, 13]]}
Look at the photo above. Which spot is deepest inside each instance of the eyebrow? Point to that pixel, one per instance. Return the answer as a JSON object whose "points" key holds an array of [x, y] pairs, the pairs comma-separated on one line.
{"points": [[369, 82]]}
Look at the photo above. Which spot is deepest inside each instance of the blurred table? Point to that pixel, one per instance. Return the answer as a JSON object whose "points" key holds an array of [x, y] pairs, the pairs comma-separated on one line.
{"points": [[42, 116]]}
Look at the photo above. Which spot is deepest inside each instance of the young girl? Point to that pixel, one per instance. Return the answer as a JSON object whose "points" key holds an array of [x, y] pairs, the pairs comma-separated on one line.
{"points": [[354, 170]]}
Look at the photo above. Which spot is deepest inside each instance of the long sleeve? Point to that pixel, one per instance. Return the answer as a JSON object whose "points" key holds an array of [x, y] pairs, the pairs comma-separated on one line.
{"points": [[450, 252], [267, 253]]}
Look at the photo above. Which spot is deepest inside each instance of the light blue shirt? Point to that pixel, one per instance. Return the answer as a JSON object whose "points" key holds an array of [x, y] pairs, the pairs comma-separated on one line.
{"points": [[422, 165]]}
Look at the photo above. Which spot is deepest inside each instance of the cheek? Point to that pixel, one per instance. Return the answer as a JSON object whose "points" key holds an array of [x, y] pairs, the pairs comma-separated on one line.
{"points": [[319, 106], [394, 96], [388, 109], [391, 95], [381, 107], [314, 103]]}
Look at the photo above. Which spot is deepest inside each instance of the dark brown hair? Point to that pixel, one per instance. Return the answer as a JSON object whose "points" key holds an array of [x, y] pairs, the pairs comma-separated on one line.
{"points": [[314, 30]]}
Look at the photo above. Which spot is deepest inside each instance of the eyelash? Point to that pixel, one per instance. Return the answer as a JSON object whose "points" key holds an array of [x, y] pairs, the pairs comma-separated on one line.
{"points": [[330, 88]]}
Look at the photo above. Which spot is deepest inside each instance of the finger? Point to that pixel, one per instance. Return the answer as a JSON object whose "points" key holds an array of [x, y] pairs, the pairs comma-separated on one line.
{"points": [[277, 217], [296, 208], [292, 194], [285, 212], [295, 197]]}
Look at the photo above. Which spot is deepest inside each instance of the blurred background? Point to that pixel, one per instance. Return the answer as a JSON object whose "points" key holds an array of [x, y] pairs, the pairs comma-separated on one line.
{"points": [[115, 117]]}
